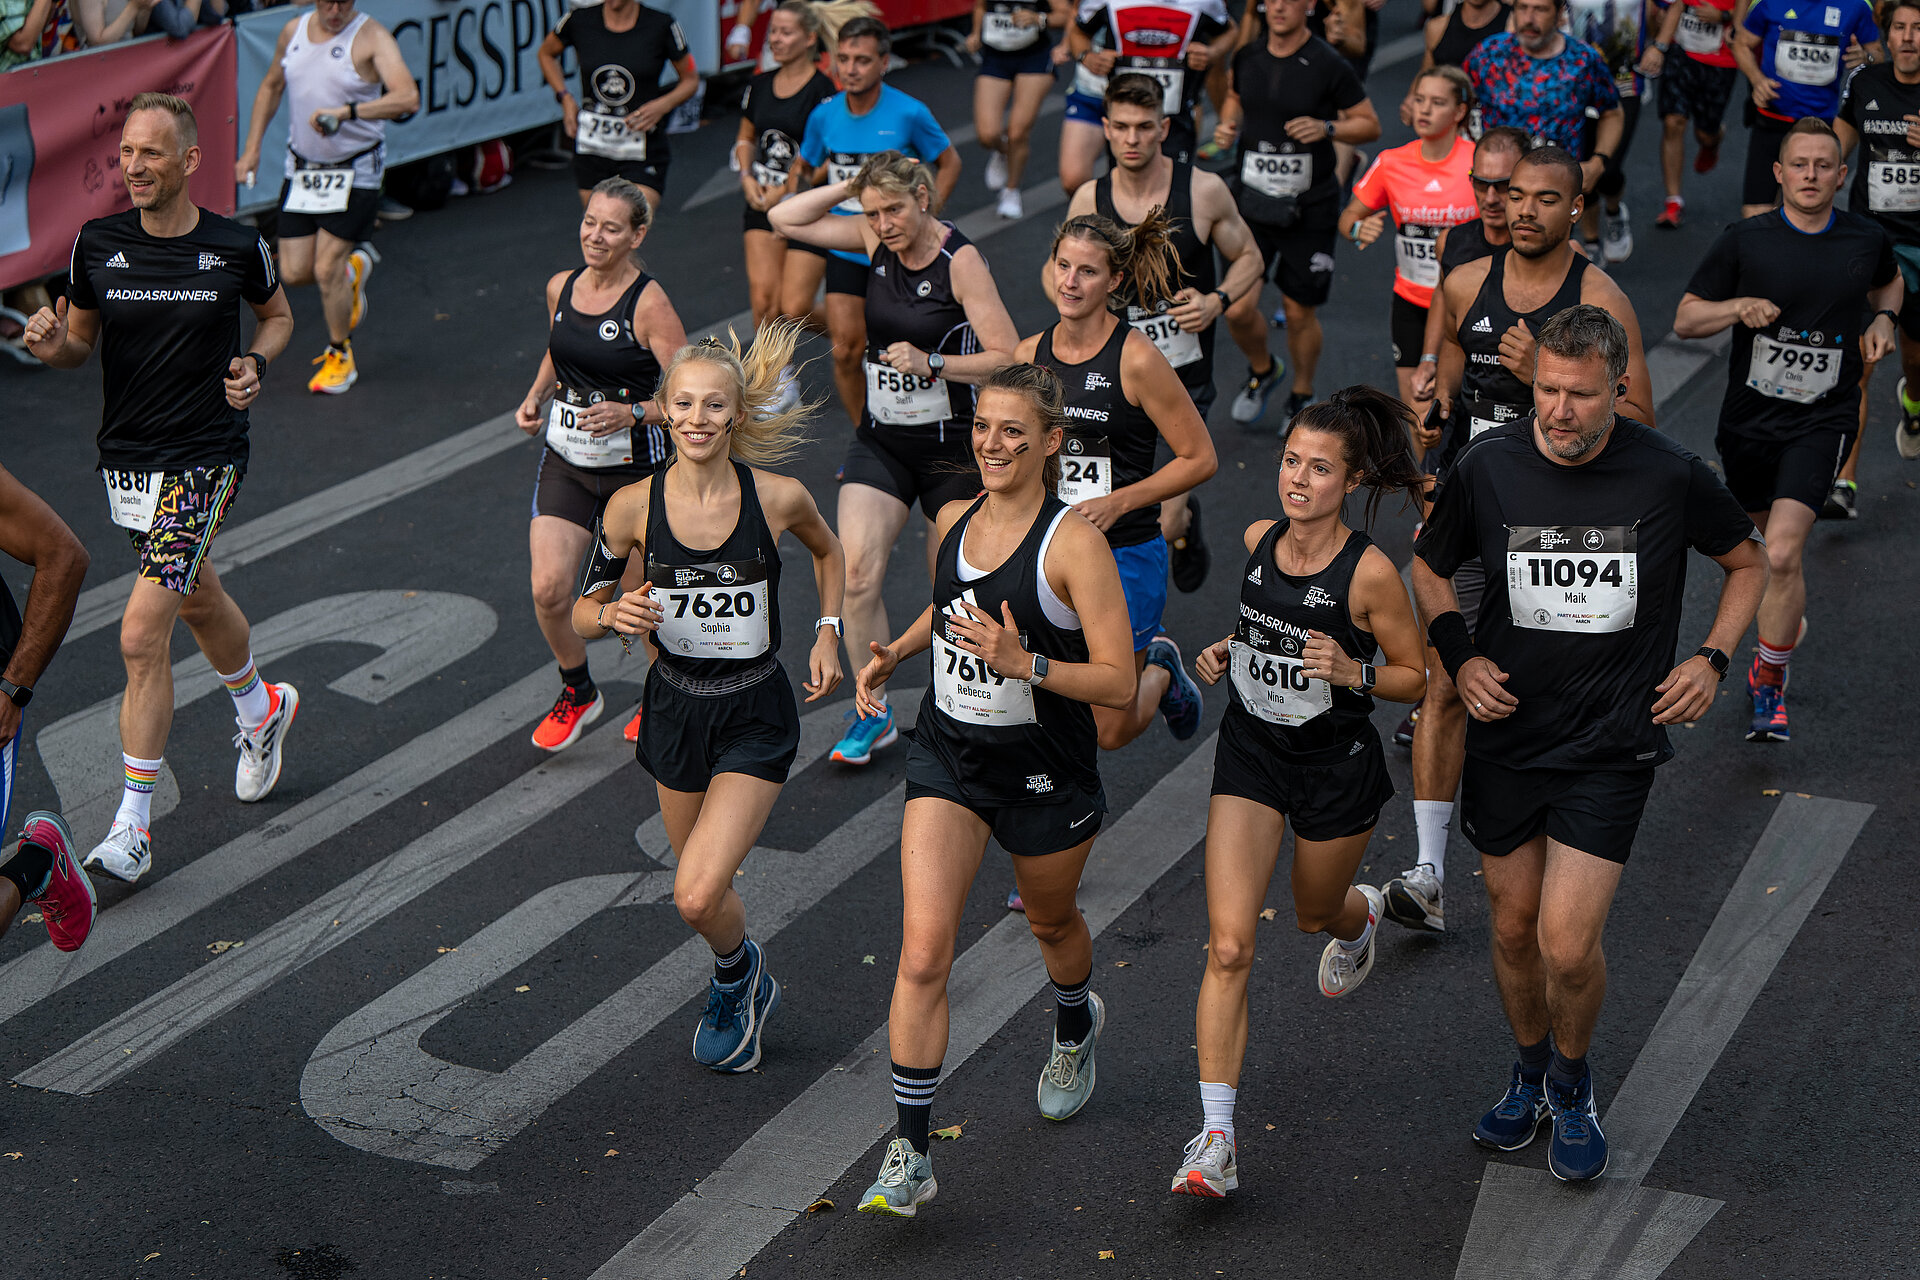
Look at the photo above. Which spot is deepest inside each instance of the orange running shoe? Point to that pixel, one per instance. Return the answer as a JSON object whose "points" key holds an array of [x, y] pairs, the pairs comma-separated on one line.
{"points": [[568, 719]]}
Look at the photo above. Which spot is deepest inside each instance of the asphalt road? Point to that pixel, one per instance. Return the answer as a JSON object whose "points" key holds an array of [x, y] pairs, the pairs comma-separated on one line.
{"points": [[454, 1043]]}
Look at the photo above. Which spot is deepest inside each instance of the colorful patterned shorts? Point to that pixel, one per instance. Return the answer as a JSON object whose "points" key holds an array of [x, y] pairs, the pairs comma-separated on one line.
{"points": [[191, 508]]}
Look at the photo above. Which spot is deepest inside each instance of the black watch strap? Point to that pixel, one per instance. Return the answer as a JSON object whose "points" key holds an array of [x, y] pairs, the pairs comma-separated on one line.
{"points": [[18, 694], [259, 361], [1717, 659]]}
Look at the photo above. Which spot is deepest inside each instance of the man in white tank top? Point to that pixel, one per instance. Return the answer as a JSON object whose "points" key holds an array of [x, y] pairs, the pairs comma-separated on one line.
{"points": [[345, 78]]}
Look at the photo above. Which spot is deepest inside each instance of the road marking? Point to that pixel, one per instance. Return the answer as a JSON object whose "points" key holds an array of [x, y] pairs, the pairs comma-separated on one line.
{"points": [[1528, 1226], [1673, 362], [771, 1179]]}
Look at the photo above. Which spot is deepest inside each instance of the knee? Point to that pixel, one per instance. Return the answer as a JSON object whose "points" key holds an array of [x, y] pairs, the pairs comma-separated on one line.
{"points": [[1112, 734], [1783, 559], [298, 274], [924, 964], [847, 353], [1230, 954], [864, 576], [1569, 958], [1245, 309], [1053, 931], [330, 269], [1019, 135], [1317, 917], [764, 297], [1515, 933], [552, 594], [144, 643], [699, 905], [995, 140]]}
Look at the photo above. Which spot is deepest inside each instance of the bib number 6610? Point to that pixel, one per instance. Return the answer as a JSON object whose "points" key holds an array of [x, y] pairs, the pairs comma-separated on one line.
{"points": [[1274, 674]]}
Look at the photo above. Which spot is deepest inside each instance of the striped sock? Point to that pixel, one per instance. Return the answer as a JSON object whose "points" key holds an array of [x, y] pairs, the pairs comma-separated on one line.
{"points": [[1072, 1016], [249, 693], [913, 1099], [136, 802]]}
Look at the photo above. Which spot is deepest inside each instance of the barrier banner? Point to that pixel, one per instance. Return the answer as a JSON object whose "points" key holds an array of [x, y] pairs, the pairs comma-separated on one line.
{"points": [[60, 124]]}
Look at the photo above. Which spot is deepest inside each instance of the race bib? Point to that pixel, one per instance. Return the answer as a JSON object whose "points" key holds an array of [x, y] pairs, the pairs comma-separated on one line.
{"points": [[1176, 344], [1087, 83], [1806, 58], [1579, 578], [841, 167], [767, 175], [1485, 415], [319, 190], [1700, 36], [1276, 688], [1416, 255], [1086, 468], [1792, 371], [132, 497], [602, 133], [572, 441], [1893, 188], [712, 610], [1171, 79], [966, 689], [904, 399], [999, 31], [1277, 174]]}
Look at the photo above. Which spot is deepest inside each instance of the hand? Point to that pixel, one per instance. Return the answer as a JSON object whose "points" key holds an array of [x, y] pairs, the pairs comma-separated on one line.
{"points": [[47, 328], [1193, 310], [1687, 692], [1367, 230], [1913, 130], [528, 417], [242, 382], [1212, 662], [603, 419], [1224, 133], [1879, 340], [1102, 513], [1406, 112], [974, 43], [1198, 56], [1855, 54], [1764, 91], [1425, 375], [1652, 63], [1099, 61], [907, 358], [245, 167], [738, 45], [1590, 171], [866, 685], [1480, 685], [1376, 5], [1306, 129], [1430, 429], [997, 643], [1322, 659], [1755, 313], [1516, 351], [339, 115], [824, 663], [570, 116], [758, 197], [635, 613], [647, 116]]}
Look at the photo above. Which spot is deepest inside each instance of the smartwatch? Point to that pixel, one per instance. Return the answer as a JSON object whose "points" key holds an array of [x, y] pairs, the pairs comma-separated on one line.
{"points": [[353, 111], [18, 694], [1039, 671], [1662, 46], [829, 621], [1329, 125], [1226, 299], [259, 362], [1367, 677], [1890, 314], [935, 363], [1717, 659]]}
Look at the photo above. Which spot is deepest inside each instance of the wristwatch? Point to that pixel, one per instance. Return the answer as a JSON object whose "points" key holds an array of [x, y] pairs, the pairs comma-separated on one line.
{"points": [[1226, 299], [18, 694], [1329, 125], [935, 363], [1367, 677], [259, 361], [1890, 314], [353, 111], [829, 621], [1039, 671], [1717, 660], [1662, 46]]}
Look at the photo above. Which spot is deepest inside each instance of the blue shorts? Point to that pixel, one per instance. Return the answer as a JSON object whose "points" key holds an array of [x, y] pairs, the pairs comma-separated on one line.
{"points": [[1085, 108], [1037, 61], [1143, 576], [9, 758]]}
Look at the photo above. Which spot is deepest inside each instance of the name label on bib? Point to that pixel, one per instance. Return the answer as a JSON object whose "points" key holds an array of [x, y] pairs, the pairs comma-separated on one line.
{"points": [[570, 439], [712, 610], [1893, 188], [603, 133], [966, 689], [1086, 468], [1276, 687], [132, 497], [1176, 344], [905, 399], [1277, 174], [319, 190], [1807, 58], [1793, 371], [1576, 578]]}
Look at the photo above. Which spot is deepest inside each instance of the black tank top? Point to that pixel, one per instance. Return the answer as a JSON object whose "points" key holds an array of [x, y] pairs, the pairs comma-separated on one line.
{"points": [[1302, 721], [1466, 243], [597, 357], [919, 307], [1196, 271], [1109, 442], [1489, 394], [779, 123], [1003, 741], [721, 607], [1457, 39]]}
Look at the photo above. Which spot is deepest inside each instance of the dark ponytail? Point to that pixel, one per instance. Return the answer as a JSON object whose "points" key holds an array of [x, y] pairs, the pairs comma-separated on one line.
{"points": [[1374, 429]]}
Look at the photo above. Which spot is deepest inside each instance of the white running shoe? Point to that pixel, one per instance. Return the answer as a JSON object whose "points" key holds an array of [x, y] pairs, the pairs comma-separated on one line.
{"points": [[1413, 900], [259, 767], [126, 854], [1010, 206], [1208, 1168], [789, 392], [1342, 970], [996, 171], [1906, 436], [1617, 233]]}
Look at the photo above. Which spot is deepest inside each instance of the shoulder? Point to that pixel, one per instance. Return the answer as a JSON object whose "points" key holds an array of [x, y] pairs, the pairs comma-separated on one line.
{"points": [[1084, 199], [1210, 187], [373, 31], [1029, 349], [556, 283], [217, 229], [1466, 279], [1254, 532], [781, 495], [1375, 571], [1649, 448], [1077, 544], [626, 514], [950, 515]]}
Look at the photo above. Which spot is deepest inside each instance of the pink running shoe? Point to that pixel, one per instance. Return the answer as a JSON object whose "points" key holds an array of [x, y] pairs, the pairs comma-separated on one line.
{"points": [[67, 903]]}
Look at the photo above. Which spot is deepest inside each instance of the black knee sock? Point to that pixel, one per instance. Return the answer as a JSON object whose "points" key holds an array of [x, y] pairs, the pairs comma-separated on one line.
{"points": [[1535, 1057], [732, 968], [28, 868], [1072, 1016], [1567, 1072], [913, 1098], [578, 679]]}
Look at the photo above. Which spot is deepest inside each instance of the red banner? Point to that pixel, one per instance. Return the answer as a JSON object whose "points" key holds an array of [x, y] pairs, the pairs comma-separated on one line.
{"points": [[60, 124]]}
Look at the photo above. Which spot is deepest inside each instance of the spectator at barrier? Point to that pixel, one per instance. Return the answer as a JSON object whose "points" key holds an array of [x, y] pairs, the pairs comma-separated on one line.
{"points": [[21, 22], [104, 22], [179, 18]]}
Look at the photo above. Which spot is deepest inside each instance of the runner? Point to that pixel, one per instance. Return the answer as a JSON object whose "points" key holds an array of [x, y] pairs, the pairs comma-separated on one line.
{"points": [[842, 134], [1426, 185], [1318, 602], [612, 329], [1205, 220], [619, 122], [722, 729], [1792, 55], [173, 442], [344, 78], [1538, 79], [1296, 96], [1171, 41], [1794, 285], [42, 868], [1451, 36], [937, 329], [1571, 681], [1617, 29], [1016, 73], [1694, 86], [1122, 400], [1033, 629], [1352, 27]]}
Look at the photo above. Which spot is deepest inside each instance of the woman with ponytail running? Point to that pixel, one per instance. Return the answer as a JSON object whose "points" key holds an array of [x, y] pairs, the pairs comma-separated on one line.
{"points": [[1122, 399], [721, 728], [1296, 745]]}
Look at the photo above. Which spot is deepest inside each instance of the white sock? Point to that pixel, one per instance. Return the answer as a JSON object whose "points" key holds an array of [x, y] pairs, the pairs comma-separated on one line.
{"points": [[250, 700], [1216, 1106], [136, 799], [1359, 944], [1433, 820]]}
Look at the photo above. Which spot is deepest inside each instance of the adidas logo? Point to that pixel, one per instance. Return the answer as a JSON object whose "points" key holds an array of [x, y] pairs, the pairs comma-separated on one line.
{"points": [[1482, 325], [1872, 105], [119, 260], [1433, 184], [1254, 577]]}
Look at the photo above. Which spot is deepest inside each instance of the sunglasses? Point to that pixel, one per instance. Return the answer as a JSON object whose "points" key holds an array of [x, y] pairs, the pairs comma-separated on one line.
{"points": [[1489, 184]]}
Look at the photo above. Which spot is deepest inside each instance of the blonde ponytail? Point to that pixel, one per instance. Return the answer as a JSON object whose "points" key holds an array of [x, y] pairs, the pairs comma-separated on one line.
{"points": [[824, 19], [767, 435]]}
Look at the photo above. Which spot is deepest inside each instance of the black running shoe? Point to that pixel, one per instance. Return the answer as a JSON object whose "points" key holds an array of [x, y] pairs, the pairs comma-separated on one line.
{"points": [[1187, 556], [1403, 736]]}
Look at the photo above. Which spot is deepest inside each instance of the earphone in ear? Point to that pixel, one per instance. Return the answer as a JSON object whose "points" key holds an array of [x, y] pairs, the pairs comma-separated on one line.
{"points": [[1620, 390]]}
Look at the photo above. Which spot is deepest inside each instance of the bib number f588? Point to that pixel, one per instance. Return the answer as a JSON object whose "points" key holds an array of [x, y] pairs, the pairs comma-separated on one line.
{"points": [[1577, 578], [905, 399]]}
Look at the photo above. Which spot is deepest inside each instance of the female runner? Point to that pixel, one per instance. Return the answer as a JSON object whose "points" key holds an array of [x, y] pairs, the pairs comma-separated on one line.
{"points": [[1032, 629], [1296, 744], [721, 729], [1016, 73], [612, 327], [935, 327]]}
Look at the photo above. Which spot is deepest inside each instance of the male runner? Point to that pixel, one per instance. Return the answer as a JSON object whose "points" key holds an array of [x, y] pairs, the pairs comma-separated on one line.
{"points": [[1571, 682], [1494, 157], [346, 79], [1693, 85], [42, 868], [1797, 285], [1538, 79], [158, 290], [1449, 38], [1796, 57]]}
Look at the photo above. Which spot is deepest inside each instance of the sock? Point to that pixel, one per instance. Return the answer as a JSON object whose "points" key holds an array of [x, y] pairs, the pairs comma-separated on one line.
{"points": [[1433, 820], [1909, 404], [1359, 944], [136, 802], [1072, 1015], [913, 1099], [732, 968], [30, 868], [580, 680], [1272, 364], [1567, 1072], [1775, 656], [1216, 1107], [249, 693], [1535, 1057], [1682, 200]]}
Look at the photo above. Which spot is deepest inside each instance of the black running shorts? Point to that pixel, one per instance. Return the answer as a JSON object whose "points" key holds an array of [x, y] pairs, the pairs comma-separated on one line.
{"points": [[1697, 91], [1596, 811], [1299, 260], [575, 494], [1761, 471], [1408, 326], [686, 741], [914, 464], [1027, 830], [352, 224], [1763, 148], [1323, 802], [846, 277]]}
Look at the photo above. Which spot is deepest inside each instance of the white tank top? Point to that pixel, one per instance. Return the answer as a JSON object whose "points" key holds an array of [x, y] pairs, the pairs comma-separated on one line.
{"points": [[321, 75]]}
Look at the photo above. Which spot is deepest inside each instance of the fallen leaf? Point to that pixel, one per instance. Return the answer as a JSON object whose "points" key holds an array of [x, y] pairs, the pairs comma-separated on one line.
{"points": [[1269, 913], [1269, 1128], [1803, 795], [223, 946], [1476, 873], [446, 950], [612, 1152], [822, 1205], [1121, 964], [951, 1133], [1770, 791], [1392, 837], [866, 959], [523, 988], [441, 315], [35, 918], [739, 873], [1773, 888], [408, 595], [150, 1257], [1106, 1255], [16, 1155]]}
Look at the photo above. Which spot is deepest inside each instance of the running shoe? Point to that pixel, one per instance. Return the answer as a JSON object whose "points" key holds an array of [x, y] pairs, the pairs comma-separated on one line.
{"points": [[1517, 1117], [1341, 970], [337, 371], [1014, 901], [392, 210], [1067, 1083], [1907, 435], [259, 766], [1413, 900], [788, 393], [728, 1037], [1187, 556], [359, 266], [1769, 713], [66, 901], [1709, 155], [1010, 207], [1207, 1167], [1843, 502], [905, 1182], [1251, 403], [1403, 732], [868, 735], [1617, 229], [1181, 704], [1578, 1150], [1296, 401], [632, 732], [569, 719], [126, 854], [1671, 214], [996, 171]]}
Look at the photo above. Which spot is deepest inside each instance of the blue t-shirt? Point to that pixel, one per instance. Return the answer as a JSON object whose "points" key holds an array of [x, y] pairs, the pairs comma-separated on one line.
{"points": [[1802, 46], [843, 141]]}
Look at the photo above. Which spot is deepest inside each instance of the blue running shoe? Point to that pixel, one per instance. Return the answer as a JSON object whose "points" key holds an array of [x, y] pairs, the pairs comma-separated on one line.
{"points": [[905, 1183], [728, 1037], [1769, 712], [1578, 1151], [868, 734], [1517, 1117], [1181, 704], [1251, 403]]}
